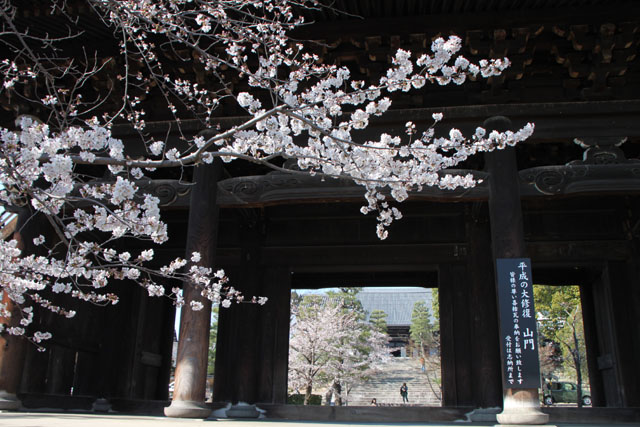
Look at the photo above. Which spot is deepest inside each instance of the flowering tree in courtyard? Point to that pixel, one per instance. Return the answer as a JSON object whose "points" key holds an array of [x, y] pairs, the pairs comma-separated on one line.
{"points": [[331, 346], [359, 353], [62, 163]]}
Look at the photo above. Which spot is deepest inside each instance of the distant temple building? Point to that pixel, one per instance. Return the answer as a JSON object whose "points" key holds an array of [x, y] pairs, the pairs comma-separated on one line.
{"points": [[398, 305]]}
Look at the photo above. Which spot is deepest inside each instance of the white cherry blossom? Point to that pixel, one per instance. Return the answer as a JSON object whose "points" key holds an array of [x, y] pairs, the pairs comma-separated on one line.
{"points": [[315, 113]]}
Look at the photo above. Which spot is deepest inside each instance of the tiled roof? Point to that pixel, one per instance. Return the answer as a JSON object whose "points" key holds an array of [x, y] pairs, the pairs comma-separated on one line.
{"points": [[397, 303]]}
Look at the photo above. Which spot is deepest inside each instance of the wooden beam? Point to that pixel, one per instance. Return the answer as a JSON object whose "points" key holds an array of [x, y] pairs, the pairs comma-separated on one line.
{"points": [[446, 22]]}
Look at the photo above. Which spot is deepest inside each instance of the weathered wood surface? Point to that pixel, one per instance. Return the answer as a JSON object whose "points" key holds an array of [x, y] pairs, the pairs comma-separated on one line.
{"points": [[483, 323], [191, 363], [520, 406]]}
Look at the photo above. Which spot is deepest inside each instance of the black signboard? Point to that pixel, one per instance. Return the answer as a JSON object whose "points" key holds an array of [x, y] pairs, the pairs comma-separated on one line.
{"points": [[518, 334]]}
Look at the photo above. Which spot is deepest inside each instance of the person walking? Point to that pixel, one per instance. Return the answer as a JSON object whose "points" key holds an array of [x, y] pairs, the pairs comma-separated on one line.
{"points": [[404, 392]]}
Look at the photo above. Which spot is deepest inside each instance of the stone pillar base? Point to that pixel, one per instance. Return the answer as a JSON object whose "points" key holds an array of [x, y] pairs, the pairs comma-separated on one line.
{"points": [[243, 411], [522, 407], [522, 417], [521, 425], [9, 401], [101, 405], [187, 409]]}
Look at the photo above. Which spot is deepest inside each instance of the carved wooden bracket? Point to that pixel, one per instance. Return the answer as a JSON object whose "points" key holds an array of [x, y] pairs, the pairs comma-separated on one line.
{"points": [[601, 151]]}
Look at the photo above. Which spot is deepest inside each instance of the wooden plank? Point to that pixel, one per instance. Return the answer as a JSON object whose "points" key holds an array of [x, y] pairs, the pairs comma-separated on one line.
{"points": [[455, 344], [228, 323], [447, 343], [486, 381], [607, 339], [625, 318], [274, 336], [589, 320], [484, 19], [246, 358], [335, 258]]}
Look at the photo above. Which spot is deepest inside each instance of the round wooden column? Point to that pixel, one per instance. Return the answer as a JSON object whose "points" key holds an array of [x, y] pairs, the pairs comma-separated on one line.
{"points": [[12, 355], [520, 406], [193, 342], [13, 349]]}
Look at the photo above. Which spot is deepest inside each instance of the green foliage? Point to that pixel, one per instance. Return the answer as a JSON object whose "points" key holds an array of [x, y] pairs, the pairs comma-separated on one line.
{"points": [[560, 324], [298, 399], [296, 299], [353, 346], [435, 308], [421, 329], [378, 320], [349, 300], [213, 338]]}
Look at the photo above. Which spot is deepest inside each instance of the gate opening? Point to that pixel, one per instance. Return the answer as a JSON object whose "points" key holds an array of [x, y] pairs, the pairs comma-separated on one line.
{"points": [[372, 346], [562, 349]]}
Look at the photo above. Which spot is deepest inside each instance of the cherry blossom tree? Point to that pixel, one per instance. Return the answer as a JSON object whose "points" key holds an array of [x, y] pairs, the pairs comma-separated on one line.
{"points": [[332, 346], [359, 353], [296, 108], [312, 335]]}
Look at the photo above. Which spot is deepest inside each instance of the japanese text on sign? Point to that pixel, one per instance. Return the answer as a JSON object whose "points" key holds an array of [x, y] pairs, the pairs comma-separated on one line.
{"points": [[517, 324]]}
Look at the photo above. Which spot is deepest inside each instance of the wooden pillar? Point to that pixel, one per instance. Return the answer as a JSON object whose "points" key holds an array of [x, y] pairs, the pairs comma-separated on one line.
{"points": [[117, 336], [225, 351], [616, 317], [12, 355], [87, 375], [274, 333], [626, 300], [238, 358], [606, 332], [484, 327], [60, 373], [34, 375], [193, 344], [246, 358], [166, 348], [520, 406], [589, 319], [12, 348], [455, 345]]}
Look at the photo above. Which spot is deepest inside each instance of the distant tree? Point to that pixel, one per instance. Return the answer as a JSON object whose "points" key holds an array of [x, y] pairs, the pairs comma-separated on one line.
{"points": [[296, 299], [421, 329], [358, 354], [213, 339], [435, 308], [560, 320], [551, 359], [332, 345], [348, 299], [312, 343], [378, 320]]}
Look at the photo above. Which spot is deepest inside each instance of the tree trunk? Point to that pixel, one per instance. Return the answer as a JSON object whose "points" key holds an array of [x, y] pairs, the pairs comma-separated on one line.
{"points": [[337, 389], [307, 394], [327, 396], [578, 364]]}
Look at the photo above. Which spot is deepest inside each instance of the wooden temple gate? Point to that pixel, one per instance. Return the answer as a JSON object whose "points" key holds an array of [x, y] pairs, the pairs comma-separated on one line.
{"points": [[574, 74]]}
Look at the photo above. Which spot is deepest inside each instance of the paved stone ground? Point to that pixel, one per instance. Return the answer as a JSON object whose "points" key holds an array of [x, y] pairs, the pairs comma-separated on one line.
{"points": [[41, 419]]}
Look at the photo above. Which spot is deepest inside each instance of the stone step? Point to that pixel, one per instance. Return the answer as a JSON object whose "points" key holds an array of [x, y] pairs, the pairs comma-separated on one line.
{"points": [[384, 386]]}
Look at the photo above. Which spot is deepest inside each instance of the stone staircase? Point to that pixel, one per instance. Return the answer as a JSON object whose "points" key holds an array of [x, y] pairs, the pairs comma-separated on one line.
{"points": [[385, 385]]}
